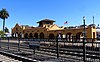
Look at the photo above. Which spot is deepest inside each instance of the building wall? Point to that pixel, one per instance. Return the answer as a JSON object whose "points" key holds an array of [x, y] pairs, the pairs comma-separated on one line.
{"points": [[74, 32], [54, 31], [17, 30]]}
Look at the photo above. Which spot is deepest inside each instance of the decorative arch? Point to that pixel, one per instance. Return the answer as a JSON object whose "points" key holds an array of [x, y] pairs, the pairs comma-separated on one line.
{"points": [[26, 35], [36, 35], [41, 35], [30, 35], [51, 36]]}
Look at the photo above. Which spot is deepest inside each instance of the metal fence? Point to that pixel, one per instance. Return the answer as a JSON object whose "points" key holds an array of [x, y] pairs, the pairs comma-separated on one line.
{"points": [[53, 49]]}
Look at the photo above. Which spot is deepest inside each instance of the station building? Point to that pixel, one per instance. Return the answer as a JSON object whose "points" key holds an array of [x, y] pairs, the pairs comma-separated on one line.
{"points": [[47, 29]]}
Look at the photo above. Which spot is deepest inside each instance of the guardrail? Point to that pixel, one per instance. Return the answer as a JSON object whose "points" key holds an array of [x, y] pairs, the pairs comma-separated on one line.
{"points": [[52, 48]]}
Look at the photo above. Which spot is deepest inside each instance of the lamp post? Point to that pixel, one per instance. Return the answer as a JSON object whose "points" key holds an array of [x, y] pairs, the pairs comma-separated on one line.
{"points": [[84, 39]]}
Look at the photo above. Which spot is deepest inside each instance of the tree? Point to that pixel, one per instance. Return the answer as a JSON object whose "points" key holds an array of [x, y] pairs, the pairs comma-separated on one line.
{"points": [[1, 33], [6, 30], [4, 15]]}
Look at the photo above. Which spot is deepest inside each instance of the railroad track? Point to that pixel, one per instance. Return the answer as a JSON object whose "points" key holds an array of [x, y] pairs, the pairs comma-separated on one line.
{"points": [[69, 52]]}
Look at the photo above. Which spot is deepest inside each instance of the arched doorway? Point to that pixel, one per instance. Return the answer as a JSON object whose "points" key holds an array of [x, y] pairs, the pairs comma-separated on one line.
{"points": [[41, 35], [79, 36], [26, 35], [59, 35], [69, 36], [30, 35], [36, 35], [19, 35], [12, 34], [16, 34], [51, 36]]}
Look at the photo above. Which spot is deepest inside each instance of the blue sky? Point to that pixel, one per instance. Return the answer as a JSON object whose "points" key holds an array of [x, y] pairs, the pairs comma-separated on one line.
{"points": [[28, 12]]}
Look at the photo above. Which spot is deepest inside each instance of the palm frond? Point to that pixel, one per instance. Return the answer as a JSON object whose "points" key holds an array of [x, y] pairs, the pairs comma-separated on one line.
{"points": [[4, 14]]}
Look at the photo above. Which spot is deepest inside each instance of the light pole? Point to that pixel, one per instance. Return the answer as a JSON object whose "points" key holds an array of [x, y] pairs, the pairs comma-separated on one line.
{"points": [[84, 39]]}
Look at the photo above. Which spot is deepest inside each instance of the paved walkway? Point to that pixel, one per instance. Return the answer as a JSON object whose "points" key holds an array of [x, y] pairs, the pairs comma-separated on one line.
{"points": [[7, 59]]}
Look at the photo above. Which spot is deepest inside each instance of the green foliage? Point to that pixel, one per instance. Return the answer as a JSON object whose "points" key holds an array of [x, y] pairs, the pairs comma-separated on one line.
{"points": [[1, 33], [6, 30], [4, 14]]}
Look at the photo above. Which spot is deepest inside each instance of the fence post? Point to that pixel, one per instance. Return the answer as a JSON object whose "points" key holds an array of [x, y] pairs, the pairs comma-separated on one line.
{"points": [[64, 43], [18, 44], [34, 51], [84, 50], [8, 43], [99, 49], [57, 45], [0, 42]]}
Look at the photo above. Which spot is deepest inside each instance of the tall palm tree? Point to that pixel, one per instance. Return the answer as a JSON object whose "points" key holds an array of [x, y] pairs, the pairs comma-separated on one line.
{"points": [[4, 15]]}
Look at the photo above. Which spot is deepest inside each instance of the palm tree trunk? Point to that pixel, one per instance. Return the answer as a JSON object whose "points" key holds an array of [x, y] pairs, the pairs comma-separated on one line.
{"points": [[3, 25]]}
